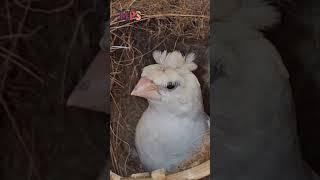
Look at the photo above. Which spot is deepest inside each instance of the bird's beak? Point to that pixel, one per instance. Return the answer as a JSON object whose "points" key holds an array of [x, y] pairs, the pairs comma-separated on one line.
{"points": [[145, 88]]}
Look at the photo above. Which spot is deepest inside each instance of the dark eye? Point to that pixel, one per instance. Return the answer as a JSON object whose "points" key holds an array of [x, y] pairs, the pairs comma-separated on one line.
{"points": [[171, 85]]}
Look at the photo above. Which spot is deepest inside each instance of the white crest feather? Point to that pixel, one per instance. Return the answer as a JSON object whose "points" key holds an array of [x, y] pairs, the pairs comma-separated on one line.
{"points": [[159, 57], [191, 66], [190, 57], [175, 60]]}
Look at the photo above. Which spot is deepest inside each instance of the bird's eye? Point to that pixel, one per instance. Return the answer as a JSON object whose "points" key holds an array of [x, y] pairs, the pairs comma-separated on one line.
{"points": [[171, 85]]}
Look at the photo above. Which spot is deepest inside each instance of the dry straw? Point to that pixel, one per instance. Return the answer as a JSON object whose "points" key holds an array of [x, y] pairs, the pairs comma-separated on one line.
{"points": [[164, 23]]}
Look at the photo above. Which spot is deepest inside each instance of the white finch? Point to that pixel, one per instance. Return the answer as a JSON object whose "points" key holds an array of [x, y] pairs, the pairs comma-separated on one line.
{"points": [[174, 124]]}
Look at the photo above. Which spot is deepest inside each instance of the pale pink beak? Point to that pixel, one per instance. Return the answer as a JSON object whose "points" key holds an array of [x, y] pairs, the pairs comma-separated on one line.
{"points": [[145, 88]]}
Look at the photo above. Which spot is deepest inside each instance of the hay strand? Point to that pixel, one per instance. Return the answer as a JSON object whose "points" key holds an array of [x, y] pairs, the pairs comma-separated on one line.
{"points": [[164, 23]]}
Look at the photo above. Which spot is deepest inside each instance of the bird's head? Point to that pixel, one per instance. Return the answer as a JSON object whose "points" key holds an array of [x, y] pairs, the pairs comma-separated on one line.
{"points": [[170, 81]]}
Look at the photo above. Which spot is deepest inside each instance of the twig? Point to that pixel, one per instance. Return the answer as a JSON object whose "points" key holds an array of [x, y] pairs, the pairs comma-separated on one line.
{"points": [[50, 11], [119, 47], [6, 63], [21, 35], [19, 135], [3, 82], [129, 149], [176, 15], [17, 56], [2, 100], [9, 17], [26, 69], [155, 47], [133, 1], [147, 17], [67, 56]]}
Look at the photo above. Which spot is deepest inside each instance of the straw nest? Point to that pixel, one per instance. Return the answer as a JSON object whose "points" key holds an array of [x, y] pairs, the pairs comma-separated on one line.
{"points": [[166, 24]]}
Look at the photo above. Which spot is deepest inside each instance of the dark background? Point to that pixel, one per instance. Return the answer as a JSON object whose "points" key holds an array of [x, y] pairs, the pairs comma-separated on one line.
{"points": [[41, 138], [296, 39]]}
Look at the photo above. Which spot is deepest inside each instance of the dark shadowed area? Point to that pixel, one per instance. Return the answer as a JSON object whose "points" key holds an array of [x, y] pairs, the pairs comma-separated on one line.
{"points": [[45, 48], [297, 39]]}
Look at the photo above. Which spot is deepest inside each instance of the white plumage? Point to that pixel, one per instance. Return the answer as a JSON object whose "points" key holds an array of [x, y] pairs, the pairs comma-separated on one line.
{"points": [[173, 125]]}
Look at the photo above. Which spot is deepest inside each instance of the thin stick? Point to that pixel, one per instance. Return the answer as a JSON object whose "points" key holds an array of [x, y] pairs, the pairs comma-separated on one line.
{"points": [[71, 44], [3, 103], [133, 1], [129, 151], [21, 35], [19, 135], [17, 56], [176, 15], [26, 69], [9, 17], [155, 47], [147, 17], [50, 11]]}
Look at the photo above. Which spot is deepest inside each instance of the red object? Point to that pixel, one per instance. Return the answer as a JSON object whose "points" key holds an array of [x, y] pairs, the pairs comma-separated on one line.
{"points": [[133, 14]]}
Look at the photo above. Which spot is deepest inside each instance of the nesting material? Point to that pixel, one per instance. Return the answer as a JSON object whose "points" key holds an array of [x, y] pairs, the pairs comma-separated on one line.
{"points": [[181, 25], [159, 174], [198, 172], [200, 155], [181, 18]]}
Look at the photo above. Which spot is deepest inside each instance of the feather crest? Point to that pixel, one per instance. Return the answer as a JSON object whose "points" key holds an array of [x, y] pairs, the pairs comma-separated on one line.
{"points": [[175, 60]]}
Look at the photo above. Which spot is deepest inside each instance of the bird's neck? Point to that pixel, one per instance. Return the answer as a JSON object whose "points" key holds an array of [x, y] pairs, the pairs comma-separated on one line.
{"points": [[177, 109]]}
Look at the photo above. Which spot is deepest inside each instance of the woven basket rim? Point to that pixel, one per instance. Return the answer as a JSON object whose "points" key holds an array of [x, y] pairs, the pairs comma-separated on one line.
{"points": [[200, 171]]}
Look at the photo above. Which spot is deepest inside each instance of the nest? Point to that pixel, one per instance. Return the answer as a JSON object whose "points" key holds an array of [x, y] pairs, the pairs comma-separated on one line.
{"points": [[165, 25]]}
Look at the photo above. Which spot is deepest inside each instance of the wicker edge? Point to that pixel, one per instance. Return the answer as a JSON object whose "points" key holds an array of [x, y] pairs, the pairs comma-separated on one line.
{"points": [[195, 173]]}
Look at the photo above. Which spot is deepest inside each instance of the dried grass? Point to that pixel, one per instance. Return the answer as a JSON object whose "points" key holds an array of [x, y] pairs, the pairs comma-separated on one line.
{"points": [[21, 75], [9, 59], [165, 24]]}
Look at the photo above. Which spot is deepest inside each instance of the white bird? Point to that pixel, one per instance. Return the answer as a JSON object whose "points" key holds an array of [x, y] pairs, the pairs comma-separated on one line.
{"points": [[253, 138], [174, 125]]}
